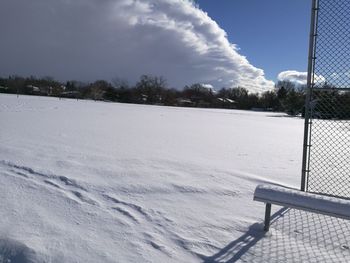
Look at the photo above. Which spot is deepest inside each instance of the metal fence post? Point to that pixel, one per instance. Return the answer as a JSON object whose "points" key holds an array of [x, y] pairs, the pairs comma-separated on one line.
{"points": [[310, 81]]}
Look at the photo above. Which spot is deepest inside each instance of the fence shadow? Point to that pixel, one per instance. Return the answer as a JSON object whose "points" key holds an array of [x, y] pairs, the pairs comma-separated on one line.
{"points": [[294, 236]]}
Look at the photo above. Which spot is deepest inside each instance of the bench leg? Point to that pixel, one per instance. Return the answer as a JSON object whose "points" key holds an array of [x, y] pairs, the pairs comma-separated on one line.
{"points": [[267, 217]]}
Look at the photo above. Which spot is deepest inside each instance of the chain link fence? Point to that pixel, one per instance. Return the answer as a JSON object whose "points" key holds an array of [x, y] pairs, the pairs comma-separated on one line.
{"points": [[327, 133]]}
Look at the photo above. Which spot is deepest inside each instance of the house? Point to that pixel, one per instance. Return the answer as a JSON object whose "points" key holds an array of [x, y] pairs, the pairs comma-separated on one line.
{"points": [[33, 90], [70, 94], [184, 102], [4, 89], [226, 103]]}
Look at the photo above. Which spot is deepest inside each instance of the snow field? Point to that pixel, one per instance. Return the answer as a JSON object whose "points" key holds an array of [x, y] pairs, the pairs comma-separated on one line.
{"points": [[85, 181]]}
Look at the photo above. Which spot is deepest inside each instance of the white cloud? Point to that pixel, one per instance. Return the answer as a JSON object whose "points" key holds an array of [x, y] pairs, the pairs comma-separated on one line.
{"points": [[293, 76], [92, 39], [299, 78]]}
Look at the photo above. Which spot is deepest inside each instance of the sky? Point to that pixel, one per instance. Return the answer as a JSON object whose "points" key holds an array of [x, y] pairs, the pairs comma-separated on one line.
{"points": [[246, 43], [272, 34]]}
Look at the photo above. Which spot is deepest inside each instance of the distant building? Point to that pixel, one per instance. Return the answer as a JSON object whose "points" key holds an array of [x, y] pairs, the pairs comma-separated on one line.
{"points": [[70, 94], [226, 103], [33, 90], [4, 89], [184, 102]]}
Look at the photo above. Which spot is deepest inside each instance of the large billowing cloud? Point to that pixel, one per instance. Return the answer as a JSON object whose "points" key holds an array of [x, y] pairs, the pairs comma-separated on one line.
{"points": [[104, 39]]}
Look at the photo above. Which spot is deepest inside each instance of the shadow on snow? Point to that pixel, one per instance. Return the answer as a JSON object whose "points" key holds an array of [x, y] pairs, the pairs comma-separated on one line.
{"points": [[294, 236]]}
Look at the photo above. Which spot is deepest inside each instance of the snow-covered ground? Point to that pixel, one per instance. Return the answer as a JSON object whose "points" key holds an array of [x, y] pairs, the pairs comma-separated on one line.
{"points": [[85, 181]]}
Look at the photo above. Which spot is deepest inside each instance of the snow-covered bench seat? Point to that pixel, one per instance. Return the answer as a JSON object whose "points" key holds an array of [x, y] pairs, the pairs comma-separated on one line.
{"points": [[287, 197]]}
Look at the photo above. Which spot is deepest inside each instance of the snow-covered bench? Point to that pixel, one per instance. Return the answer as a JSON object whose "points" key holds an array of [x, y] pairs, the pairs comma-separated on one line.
{"points": [[287, 197]]}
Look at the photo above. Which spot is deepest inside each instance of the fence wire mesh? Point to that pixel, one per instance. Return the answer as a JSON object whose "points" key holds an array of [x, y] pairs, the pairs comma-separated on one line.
{"points": [[327, 168]]}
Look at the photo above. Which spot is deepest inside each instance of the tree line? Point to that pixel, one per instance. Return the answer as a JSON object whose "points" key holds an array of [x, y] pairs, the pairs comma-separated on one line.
{"points": [[286, 97]]}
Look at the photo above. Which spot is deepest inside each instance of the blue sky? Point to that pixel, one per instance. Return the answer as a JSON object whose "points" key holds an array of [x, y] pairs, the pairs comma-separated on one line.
{"points": [[272, 34]]}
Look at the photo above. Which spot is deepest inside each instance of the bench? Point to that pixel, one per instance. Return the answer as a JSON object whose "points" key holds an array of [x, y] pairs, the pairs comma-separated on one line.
{"points": [[288, 197]]}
